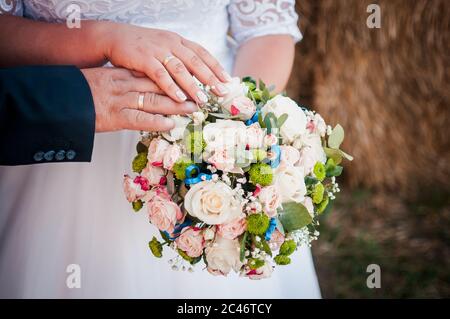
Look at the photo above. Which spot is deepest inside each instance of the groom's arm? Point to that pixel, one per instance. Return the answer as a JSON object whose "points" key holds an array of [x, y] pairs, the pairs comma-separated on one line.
{"points": [[46, 115]]}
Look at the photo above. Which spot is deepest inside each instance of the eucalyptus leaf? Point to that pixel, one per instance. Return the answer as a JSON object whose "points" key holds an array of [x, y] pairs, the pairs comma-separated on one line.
{"points": [[337, 137], [336, 155], [261, 121], [334, 171], [294, 216], [282, 119]]}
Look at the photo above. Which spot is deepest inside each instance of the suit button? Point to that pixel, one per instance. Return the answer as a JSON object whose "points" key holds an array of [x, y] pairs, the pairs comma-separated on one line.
{"points": [[60, 155], [38, 156], [71, 155], [49, 155]]}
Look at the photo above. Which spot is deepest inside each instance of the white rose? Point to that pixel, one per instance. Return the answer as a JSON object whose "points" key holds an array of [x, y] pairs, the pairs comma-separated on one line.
{"points": [[295, 124], [290, 182], [224, 134], [173, 153], [156, 150], [223, 256], [213, 202], [177, 133], [198, 117], [270, 199], [311, 152], [319, 124], [289, 155], [235, 89]]}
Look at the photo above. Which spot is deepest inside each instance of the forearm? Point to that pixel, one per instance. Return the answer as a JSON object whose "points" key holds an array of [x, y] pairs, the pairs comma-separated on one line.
{"points": [[269, 58], [28, 42]]}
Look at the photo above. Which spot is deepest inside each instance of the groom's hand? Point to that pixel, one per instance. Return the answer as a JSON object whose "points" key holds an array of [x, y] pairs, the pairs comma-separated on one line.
{"points": [[126, 100]]}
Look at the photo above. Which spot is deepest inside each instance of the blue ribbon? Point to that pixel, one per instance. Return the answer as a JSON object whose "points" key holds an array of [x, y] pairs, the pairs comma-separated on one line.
{"points": [[271, 229], [277, 150], [190, 180], [254, 118], [178, 228]]}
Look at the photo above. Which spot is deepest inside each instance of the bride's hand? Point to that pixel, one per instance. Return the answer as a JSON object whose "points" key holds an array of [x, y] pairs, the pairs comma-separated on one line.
{"points": [[165, 57], [116, 99]]}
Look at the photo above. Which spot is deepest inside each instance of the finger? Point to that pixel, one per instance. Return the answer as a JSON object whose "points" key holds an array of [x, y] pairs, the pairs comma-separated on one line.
{"points": [[184, 79], [209, 59], [158, 73], [133, 84], [141, 121], [201, 71], [157, 104]]}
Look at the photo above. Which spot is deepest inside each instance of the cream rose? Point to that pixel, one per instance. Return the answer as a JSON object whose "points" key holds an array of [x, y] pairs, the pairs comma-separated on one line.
{"points": [[235, 89], [224, 134], [156, 150], [153, 174], [191, 241], [242, 107], [295, 124], [172, 154], [213, 202], [177, 133], [254, 137], [270, 199], [223, 256], [163, 213], [289, 155], [290, 182], [311, 152], [222, 159], [232, 229]]}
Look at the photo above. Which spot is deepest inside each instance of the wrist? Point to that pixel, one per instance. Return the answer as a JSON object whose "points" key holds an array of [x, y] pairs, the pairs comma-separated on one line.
{"points": [[101, 34]]}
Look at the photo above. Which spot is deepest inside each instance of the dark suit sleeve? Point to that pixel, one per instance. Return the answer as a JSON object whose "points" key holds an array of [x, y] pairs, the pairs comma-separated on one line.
{"points": [[46, 115]]}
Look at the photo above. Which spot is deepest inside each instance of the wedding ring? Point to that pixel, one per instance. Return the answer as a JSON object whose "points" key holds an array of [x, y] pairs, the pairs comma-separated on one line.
{"points": [[167, 59], [141, 101]]}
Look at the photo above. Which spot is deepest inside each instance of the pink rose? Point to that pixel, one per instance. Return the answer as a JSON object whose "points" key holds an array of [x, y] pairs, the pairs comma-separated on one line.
{"points": [[172, 154], [153, 174], [222, 159], [254, 137], [276, 240], [270, 199], [262, 272], [156, 151], [191, 241], [233, 229], [241, 106], [133, 191], [289, 155], [163, 213]]}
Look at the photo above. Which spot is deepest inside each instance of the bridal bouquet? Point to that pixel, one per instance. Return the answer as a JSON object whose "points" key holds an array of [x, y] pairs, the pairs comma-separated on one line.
{"points": [[238, 184]]}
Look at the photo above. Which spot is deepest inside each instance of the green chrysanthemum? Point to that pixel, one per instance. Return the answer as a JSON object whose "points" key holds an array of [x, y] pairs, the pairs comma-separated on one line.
{"points": [[261, 173], [155, 247], [323, 205], [282, 260], [288, 247], [255, 263], [137, 205], [139, 162], [179, 168], [320, 171], [259, 154], [257, 224], [195, 143], [317, 195]]}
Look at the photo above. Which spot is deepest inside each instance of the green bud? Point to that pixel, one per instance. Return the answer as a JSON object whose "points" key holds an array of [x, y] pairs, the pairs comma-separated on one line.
{"points": [[257, 224], [288, 247], [155, 247], [323, 205], [317, 195], [282, 260], [139, 162], [261, 173]]}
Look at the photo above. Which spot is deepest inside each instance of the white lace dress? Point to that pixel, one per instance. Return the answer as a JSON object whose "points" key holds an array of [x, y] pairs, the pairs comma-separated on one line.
{"points": [[54, 215]]}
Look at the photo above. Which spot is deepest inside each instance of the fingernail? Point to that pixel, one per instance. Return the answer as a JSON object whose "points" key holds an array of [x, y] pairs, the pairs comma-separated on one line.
{"points": [[226, 76], [202, 97], [181, 95], [221, 88]]}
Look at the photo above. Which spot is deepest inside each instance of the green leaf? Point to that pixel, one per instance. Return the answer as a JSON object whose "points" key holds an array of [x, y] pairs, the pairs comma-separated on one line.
{"points": [[141, 148], [266, 247], [337, 137], [346, 156], [265, 96], [334, 171], [334, 154], [242, 251], [262, 85], [261, 121], [165, 237], [310, 180], [294, 216], [249, 79], [282, 119]]}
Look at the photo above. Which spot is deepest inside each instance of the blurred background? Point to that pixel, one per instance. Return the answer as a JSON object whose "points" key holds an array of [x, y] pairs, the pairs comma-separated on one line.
{"points": [[389, 88]]}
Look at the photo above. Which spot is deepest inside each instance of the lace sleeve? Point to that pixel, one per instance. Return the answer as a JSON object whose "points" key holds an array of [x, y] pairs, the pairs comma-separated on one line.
{"points": [[253, 18], [14, 7]]}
